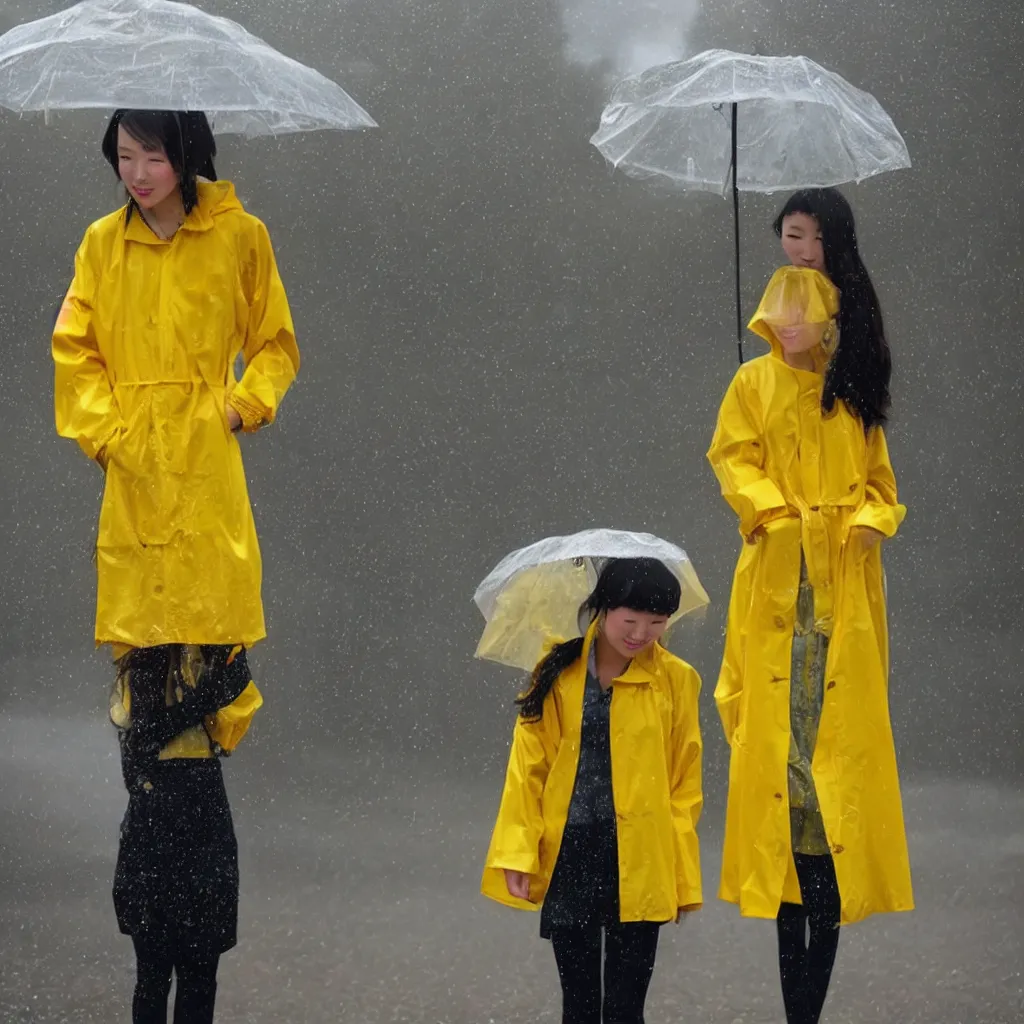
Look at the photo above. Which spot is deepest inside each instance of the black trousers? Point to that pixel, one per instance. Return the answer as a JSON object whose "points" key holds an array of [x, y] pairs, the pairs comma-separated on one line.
{"points": [[194, 995], [808, 939], [629, 952]]}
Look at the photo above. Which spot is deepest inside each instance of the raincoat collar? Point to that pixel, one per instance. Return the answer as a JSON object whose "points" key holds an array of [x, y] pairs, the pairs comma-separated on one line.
{"points": [[640, 670], [215, 197]]}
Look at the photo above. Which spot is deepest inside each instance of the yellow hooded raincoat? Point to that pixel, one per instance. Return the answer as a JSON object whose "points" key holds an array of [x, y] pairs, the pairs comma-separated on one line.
{"points": [[800, 480], [144, 349], [656, 784]]}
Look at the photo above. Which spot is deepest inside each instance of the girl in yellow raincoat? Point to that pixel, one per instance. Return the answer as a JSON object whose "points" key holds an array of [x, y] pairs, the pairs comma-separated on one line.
{"points": [[603, 791], [167, 292], [814, 825]]}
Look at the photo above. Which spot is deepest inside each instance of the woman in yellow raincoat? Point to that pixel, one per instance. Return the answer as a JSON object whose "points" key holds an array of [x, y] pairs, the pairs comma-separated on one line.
{"points": [[167, 292], [603, 792], [814, 826]]}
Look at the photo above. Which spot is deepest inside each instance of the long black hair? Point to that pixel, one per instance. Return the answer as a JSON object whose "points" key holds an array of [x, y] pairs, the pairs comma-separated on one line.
{"points": [[861, 368], [640, 584], [184, 135]]}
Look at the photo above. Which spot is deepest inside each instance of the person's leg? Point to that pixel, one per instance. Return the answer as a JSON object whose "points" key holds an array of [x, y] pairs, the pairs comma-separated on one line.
{"points": [[578, 956], [629, 955], [196, 991], [820, 893], [152, 984], [791, 924]]}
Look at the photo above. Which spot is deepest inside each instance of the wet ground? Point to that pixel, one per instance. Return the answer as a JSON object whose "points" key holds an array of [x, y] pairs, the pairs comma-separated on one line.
{"points": [[360, 904]]}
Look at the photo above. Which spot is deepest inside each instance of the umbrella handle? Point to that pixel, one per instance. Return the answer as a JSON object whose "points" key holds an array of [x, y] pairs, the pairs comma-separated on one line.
{"points": [[736, 236]]}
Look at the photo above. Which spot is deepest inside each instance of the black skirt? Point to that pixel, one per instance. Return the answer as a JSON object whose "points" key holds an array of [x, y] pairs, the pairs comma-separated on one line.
{"points": [[584, 890], [176, 881]]}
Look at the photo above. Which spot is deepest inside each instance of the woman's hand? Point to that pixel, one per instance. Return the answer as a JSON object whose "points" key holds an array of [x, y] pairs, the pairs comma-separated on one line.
{"points": [[518, 884], [864, 540], [234, 420]]}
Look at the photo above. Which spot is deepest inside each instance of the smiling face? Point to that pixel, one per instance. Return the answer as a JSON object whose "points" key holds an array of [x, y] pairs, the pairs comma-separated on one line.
{"points": [[801, 241], [146, 173], [629, 632]]}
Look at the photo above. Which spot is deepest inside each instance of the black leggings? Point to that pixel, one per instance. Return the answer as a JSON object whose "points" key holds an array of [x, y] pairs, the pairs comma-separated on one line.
{"points": [[194, 995], [629, 952], [805, 962]]}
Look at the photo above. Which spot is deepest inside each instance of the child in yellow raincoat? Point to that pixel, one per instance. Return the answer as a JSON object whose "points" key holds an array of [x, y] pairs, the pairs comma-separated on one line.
{"points": [[814, 825], [599, 812], [167, 292]]}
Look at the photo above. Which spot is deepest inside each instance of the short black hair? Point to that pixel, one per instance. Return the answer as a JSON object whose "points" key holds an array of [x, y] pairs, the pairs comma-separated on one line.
{"points": [[184, 135]]}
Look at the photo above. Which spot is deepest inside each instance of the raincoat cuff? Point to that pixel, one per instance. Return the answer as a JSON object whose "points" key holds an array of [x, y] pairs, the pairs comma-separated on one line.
{"points": [[526, 862], [689, 897], [886, 519], [253, 413], [763, 501]]}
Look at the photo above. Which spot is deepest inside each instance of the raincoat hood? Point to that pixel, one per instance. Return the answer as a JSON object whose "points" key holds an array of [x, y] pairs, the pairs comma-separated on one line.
{"points": [[216, 198], [794, 295]]}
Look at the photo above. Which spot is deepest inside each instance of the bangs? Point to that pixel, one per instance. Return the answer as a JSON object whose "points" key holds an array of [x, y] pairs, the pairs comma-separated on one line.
{"points": [[639, 584], [151, 129]]}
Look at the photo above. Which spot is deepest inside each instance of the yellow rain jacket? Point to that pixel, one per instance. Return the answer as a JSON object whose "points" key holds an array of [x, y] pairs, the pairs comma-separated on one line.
{"points": [[144, 350], [226, 728], [656, 784], [807, 479]]}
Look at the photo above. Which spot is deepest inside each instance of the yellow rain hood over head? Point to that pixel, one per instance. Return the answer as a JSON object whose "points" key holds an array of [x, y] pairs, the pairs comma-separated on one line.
{"points": [[795, 296]]}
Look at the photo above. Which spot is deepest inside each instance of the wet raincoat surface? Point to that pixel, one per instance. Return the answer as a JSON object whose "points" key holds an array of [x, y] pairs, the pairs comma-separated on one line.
{"points": [[800, 480], [656, 784], [144, 350]]}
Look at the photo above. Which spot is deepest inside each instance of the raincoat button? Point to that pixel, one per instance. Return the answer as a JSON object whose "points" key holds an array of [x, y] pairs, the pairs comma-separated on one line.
{"points": [[853, 487], [778, 796], [831, 685], [815, 508], [838, 849], [780, 622]]}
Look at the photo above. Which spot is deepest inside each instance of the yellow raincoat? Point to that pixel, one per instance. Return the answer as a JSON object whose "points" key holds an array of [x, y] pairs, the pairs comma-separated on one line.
{"points": [[806, 479], [656, 785], [144, 350]]}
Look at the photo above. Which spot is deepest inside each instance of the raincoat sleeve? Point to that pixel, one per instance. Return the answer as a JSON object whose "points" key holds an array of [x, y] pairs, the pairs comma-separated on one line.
{"points": [[686, 787], [515, 843], [881, 510], [270, 352], [84, 403], [737, 457]]}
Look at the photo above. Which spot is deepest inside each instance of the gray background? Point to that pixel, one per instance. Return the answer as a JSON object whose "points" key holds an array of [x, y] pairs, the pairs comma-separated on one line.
{"points": [[501, 341]]}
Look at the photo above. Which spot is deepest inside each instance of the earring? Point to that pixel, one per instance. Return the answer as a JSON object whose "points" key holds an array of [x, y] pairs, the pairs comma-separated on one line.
{"points": [[830, 340]]}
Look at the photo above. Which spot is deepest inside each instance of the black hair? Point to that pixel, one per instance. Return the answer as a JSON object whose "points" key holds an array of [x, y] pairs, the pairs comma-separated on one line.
{"points": [[640, 584], [184, 135], [861, 368]]}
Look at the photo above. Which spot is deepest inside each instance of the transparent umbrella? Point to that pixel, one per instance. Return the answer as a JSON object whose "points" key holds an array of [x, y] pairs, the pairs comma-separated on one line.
{"points": [[161, 55], [726, 120], [533, 595]]}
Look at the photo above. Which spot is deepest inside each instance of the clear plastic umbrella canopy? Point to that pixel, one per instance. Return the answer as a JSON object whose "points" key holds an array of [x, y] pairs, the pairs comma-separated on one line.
{"points": [[534, 594], [161, 55], [798, 125]]}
